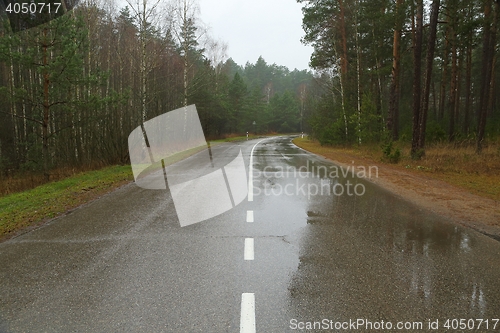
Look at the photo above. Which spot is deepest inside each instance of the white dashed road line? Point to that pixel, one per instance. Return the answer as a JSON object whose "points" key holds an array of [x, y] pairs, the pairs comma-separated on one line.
{"points": [[248, 254], [250, 173], [249, 215], [247, 319]]}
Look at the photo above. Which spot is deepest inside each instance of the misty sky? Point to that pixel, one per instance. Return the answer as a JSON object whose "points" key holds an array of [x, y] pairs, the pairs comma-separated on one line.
{"points": [[271, 28], [252, 28]]}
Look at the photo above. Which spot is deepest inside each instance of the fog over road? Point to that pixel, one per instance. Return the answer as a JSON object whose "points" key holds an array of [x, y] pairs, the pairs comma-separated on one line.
{"points": [[297, 253]]}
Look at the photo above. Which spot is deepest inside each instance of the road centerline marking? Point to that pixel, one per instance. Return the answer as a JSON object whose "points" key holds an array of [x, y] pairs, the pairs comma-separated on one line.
{"points": [[250, 173], [248, 253], [247, 318], [249, 215]]}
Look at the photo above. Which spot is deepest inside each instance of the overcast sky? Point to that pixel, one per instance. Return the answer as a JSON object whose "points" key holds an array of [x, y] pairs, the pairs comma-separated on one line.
{"points": [[252, 28], [270, 28]]}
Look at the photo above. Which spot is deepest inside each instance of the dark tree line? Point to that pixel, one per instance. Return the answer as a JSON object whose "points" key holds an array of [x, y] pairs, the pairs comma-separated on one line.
{"points": [[421, 71], [74, 88]]}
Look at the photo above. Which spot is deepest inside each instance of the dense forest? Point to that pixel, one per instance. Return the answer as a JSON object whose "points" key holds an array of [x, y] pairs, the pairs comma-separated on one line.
{"points": [[72, 90], [411, 70]]}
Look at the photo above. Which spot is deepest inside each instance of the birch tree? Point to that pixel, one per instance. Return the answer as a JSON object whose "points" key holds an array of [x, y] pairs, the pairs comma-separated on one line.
{"points": [[147, 18], [188, 35]]}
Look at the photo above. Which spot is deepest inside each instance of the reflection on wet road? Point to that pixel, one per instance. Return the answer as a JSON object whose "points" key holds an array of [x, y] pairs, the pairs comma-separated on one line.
{"points": [[315, 243], [373, 255]]}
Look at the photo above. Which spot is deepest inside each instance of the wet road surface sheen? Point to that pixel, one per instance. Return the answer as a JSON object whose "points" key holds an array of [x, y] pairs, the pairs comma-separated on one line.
{"points": [[122, 263], [376, 256]]}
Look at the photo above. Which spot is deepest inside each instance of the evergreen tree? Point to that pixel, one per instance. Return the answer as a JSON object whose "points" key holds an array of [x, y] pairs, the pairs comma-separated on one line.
{"points": [[237, 100]]}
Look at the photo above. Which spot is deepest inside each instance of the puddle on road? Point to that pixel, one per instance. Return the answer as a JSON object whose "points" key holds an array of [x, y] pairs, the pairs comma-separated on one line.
{"points": [[385, 258]]}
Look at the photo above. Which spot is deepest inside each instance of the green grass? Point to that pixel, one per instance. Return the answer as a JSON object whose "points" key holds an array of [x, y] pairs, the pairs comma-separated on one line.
{"points": [[250, 137], [33, 207], [20, 210], [236, 138]]}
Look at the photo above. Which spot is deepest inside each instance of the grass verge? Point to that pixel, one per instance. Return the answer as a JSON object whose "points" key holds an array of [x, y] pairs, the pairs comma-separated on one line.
{"points": [[32, 207], [458, 166], [241, 137]]}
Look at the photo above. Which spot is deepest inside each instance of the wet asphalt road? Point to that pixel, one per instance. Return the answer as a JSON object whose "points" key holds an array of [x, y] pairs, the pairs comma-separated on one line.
{"points": [[123, 263]]}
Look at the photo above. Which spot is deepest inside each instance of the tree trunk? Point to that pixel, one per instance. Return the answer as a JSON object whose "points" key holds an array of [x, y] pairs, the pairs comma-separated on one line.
{"points": [[417, 59], [393, 114], [489, 37], [343, 35], [458, 88], [46, 108], [428, 72], [343, 101], [453, 86], [434, 100], [491, 98], [185, 78], [468, 86], [143, 63], [379, 83], [13, 105], [358, 76], [442, 92]]}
